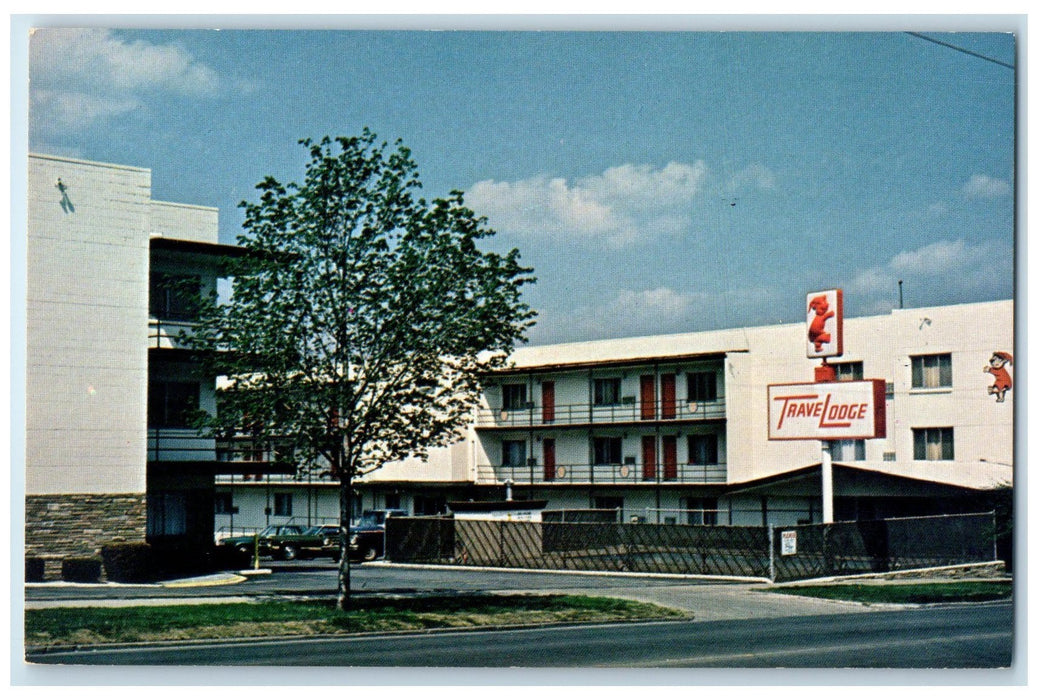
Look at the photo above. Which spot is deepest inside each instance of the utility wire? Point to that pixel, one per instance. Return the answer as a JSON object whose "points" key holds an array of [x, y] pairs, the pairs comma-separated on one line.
{"points": [[959, 48]]}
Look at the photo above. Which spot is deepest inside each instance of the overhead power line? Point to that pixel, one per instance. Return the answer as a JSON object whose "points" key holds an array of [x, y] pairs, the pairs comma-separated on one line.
{"points": [[959, 48]]}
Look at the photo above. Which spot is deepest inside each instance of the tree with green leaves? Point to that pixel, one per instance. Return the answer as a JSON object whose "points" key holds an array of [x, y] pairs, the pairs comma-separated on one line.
{"points": [[360, 319]]}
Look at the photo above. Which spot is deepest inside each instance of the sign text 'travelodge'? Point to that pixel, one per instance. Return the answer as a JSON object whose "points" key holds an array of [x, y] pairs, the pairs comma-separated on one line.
{"points": [[827, 411]]}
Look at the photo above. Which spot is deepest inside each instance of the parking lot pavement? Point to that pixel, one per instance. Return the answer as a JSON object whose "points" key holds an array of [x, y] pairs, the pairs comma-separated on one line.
{"points": [[708, 599]]}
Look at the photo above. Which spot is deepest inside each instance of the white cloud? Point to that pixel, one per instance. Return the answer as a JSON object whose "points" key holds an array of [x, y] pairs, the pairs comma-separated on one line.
{"points": [[621, 205], [658, 302], [939, 273], [656, 311], [757, 176], [79, 77], [985, 186]]}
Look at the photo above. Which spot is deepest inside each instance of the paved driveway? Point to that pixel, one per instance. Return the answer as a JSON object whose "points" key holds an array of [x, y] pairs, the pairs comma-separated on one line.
{"points": [[708, 599]]}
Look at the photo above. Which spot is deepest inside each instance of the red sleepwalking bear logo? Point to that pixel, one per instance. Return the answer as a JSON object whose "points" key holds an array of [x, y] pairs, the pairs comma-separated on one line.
{"points": [[816, 332], [997, 368]]}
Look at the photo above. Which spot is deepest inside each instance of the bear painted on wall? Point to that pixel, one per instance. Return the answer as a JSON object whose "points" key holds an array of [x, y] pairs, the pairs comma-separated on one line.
{"points": [[996, 367]]}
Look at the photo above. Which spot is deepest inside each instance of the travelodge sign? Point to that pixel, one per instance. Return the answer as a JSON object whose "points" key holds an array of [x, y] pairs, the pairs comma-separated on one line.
{"points": [[851, 410], [825, 323]]}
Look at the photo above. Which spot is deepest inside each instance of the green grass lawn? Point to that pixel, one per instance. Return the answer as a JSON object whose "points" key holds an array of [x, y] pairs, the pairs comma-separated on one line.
{"points": [[929, 592], [62, 626]]}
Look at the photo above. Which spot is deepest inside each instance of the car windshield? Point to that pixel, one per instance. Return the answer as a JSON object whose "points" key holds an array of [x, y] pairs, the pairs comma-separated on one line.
{"points": [[321, 529], [371, 520]]}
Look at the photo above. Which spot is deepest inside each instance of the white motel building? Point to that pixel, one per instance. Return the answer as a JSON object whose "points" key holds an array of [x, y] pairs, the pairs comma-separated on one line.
{"points": [[670, 428]]}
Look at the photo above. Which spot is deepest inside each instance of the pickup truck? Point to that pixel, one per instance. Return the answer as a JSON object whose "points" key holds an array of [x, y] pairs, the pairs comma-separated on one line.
{"points": [[285, 542]]}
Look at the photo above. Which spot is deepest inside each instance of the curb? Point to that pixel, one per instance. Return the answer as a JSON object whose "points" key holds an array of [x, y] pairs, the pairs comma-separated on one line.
{"points": [[615, 574], [202, 581]]}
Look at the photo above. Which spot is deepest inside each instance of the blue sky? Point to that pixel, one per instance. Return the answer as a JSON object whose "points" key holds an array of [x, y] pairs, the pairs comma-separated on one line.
{"points": [[657, 182]]}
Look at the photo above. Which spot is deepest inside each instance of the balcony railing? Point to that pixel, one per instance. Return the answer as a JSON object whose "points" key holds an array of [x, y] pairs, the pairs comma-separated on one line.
{"points": [[595, 414], [621, 474], [186, 445], [163, 334], [297, 479]]}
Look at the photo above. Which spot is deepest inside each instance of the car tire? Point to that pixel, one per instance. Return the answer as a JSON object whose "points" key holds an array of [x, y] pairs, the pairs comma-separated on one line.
{"points": [[289, 552], [370, 554], [245, 549]]}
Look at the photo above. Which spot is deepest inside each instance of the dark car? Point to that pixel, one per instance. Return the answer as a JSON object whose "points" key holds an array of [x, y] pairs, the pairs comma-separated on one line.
{"points": [[279, 541], [368, 536], [329, 536]]}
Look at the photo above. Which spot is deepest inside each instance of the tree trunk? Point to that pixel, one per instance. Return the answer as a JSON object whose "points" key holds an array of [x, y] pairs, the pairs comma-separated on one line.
{"points": [[345, 511]]}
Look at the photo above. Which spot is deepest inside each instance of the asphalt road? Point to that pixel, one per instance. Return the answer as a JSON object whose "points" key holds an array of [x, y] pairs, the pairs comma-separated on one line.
{"points": [[736, 625], [954, 636]]}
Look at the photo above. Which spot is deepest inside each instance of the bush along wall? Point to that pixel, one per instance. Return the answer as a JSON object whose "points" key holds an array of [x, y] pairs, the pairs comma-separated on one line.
{"points": [[129, 562], [81, 570], [34, 568]]}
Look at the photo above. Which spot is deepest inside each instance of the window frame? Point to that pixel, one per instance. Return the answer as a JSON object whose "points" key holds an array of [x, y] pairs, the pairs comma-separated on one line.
{"points": [[281, 499], [855, 369], [705, 390], [921, 443], [701, 510], [603, 447], [710, 439], [506, 454], [921, 372], [837, 448], [513, 397], [606, 391]]}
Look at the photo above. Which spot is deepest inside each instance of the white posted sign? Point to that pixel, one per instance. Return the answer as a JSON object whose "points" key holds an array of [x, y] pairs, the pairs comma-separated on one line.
{"points": [[789, 542], [827, 411]]}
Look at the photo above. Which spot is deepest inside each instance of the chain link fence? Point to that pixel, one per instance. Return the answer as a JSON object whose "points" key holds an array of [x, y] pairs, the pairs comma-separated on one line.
{"points": [[776, 553], [877, 546]]}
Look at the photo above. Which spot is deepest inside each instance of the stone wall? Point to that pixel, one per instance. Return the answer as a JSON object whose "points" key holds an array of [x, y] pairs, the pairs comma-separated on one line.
{"points": [[77, 525]]}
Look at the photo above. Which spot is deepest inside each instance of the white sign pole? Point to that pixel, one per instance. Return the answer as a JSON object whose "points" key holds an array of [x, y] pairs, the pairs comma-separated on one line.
{"points": [[827, 482]]}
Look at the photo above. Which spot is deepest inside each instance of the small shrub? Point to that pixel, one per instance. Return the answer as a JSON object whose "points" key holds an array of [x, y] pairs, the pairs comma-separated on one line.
{"points": [[81, 569], [34, 567], [224, 558], [128, 562]]}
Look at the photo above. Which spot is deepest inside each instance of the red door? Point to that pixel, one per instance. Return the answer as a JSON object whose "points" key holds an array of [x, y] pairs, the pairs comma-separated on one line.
{"points": [[648, 397], [668, 407], [670, 457], [649, 457], [549, 458], [548, 402]]}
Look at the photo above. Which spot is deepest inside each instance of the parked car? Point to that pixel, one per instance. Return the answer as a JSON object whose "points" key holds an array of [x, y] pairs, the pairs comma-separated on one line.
{"points": [[281, 542], [329, 535], [368, 536]]}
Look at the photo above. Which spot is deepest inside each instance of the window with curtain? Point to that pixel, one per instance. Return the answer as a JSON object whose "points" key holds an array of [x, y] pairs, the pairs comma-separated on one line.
{"points": [[848, 450], [934, 444], [932, 371]]}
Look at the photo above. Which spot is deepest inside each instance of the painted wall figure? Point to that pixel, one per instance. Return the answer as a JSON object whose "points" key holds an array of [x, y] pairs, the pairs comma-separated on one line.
{"points": [[997, 368]]}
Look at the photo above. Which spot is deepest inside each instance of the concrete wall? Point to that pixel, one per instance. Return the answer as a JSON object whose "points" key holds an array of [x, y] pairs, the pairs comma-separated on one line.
{"points": [[185, 222], [88, 264], [87, 327], [884, 345]]}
